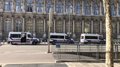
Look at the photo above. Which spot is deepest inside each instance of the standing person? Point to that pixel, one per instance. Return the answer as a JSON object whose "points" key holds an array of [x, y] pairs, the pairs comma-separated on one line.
{"points": [[23, 38]]}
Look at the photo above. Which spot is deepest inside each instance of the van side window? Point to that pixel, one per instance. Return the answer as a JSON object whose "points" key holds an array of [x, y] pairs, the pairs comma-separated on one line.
{"points": [[15, 36], [61, 37], [91, 37]]}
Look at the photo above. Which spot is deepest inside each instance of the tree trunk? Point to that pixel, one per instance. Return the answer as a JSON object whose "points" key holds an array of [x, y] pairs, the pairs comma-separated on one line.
{"points": [[109, 45]]}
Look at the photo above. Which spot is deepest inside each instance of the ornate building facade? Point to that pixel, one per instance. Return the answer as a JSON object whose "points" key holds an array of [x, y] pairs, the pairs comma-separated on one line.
{"points": [[70, 16]]}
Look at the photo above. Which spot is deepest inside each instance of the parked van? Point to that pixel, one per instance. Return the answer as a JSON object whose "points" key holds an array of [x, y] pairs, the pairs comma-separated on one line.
{"points": [[60, 37], [22, 38], [91, 38]]}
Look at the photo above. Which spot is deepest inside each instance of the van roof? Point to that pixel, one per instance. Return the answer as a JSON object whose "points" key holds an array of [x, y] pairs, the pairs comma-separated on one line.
{"points": [[58, 34], [18, 32], [88, 34]]}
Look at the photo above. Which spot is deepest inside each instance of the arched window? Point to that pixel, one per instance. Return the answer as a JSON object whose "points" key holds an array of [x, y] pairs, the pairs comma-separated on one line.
{"points": [[39, 5], [8, 5], [69, 6], [95, 7], [18, 5], [77, 7], [86, 7], [29, 6], [18, 25], [48, 5], [59, 6]]}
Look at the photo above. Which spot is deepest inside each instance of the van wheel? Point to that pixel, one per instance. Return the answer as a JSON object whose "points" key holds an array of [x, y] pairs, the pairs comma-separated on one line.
{"points": [[34, 43], [12, 43]]}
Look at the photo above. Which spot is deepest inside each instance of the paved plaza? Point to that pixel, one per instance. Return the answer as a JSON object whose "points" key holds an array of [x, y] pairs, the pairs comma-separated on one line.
{"points": [[36, 56]]}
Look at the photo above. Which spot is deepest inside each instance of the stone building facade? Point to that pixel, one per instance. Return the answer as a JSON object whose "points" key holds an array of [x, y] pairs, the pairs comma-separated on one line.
{"points": [[70, 16]]}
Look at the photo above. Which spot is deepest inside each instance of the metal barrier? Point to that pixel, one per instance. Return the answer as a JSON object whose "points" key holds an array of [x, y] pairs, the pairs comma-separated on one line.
{"points": [[83, 52]]}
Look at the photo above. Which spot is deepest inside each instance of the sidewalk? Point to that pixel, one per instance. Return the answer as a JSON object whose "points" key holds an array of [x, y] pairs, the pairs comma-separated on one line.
{"points": [[80, 64], [70, 64]]}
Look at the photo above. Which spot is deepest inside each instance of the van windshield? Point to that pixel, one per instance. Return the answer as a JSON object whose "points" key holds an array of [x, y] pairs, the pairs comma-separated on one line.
{"points": [[91, 37], [55, 36], [15, 36]]}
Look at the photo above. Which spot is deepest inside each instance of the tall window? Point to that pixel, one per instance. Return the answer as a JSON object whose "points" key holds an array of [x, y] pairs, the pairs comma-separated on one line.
{"points": [[59, 6], [86, 7], [8, 5], [18, 25], [18, 6], [119, 7], [40, 4], [103, 13], [8, 25], [69, 6], [112, 8], [29, 6], [95, 7], [77, 8], [48, 5]]}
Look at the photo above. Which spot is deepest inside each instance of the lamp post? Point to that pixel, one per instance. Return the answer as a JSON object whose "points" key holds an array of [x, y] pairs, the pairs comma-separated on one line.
{"points": [[49, 25], [69, 12]]}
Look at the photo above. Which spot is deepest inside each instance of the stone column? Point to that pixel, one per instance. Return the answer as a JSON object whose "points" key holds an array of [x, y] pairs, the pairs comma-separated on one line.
{"points": [[64, 7], [73, 35], [83, 26], [101, 26], [91, 7], [1, 27], [23, 24], [13, 22], [64, 26], [82, 7], [34, 21], [13, 5], [44, 8], [54, 6], [117, 10], [34, 6], [3, 32], [73, 7], [73, 27], [44, 26], [91, 26], [118, 26], [54, 26], [23, 6], [100, 8]]}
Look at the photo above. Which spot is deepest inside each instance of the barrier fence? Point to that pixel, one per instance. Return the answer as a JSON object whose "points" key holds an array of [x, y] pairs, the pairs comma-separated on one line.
{"points": [[83, 52]]}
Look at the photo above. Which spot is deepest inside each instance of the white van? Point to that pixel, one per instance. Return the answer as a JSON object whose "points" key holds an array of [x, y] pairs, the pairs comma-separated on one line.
{"points": [[58, 36], [91, 38], [61, 38], [15, 38]]}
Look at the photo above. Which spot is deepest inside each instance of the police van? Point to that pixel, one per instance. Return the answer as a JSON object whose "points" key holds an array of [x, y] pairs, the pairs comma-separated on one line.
{"points": [[60, 38], [91, 38], [22, 38]]}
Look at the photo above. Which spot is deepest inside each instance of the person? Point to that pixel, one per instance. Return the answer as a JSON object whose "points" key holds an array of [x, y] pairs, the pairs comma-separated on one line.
{"points": [[23, 38]]}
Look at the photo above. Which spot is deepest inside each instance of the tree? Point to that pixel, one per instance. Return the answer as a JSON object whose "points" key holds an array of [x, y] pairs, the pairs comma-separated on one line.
{"points": [[109, 45]]}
